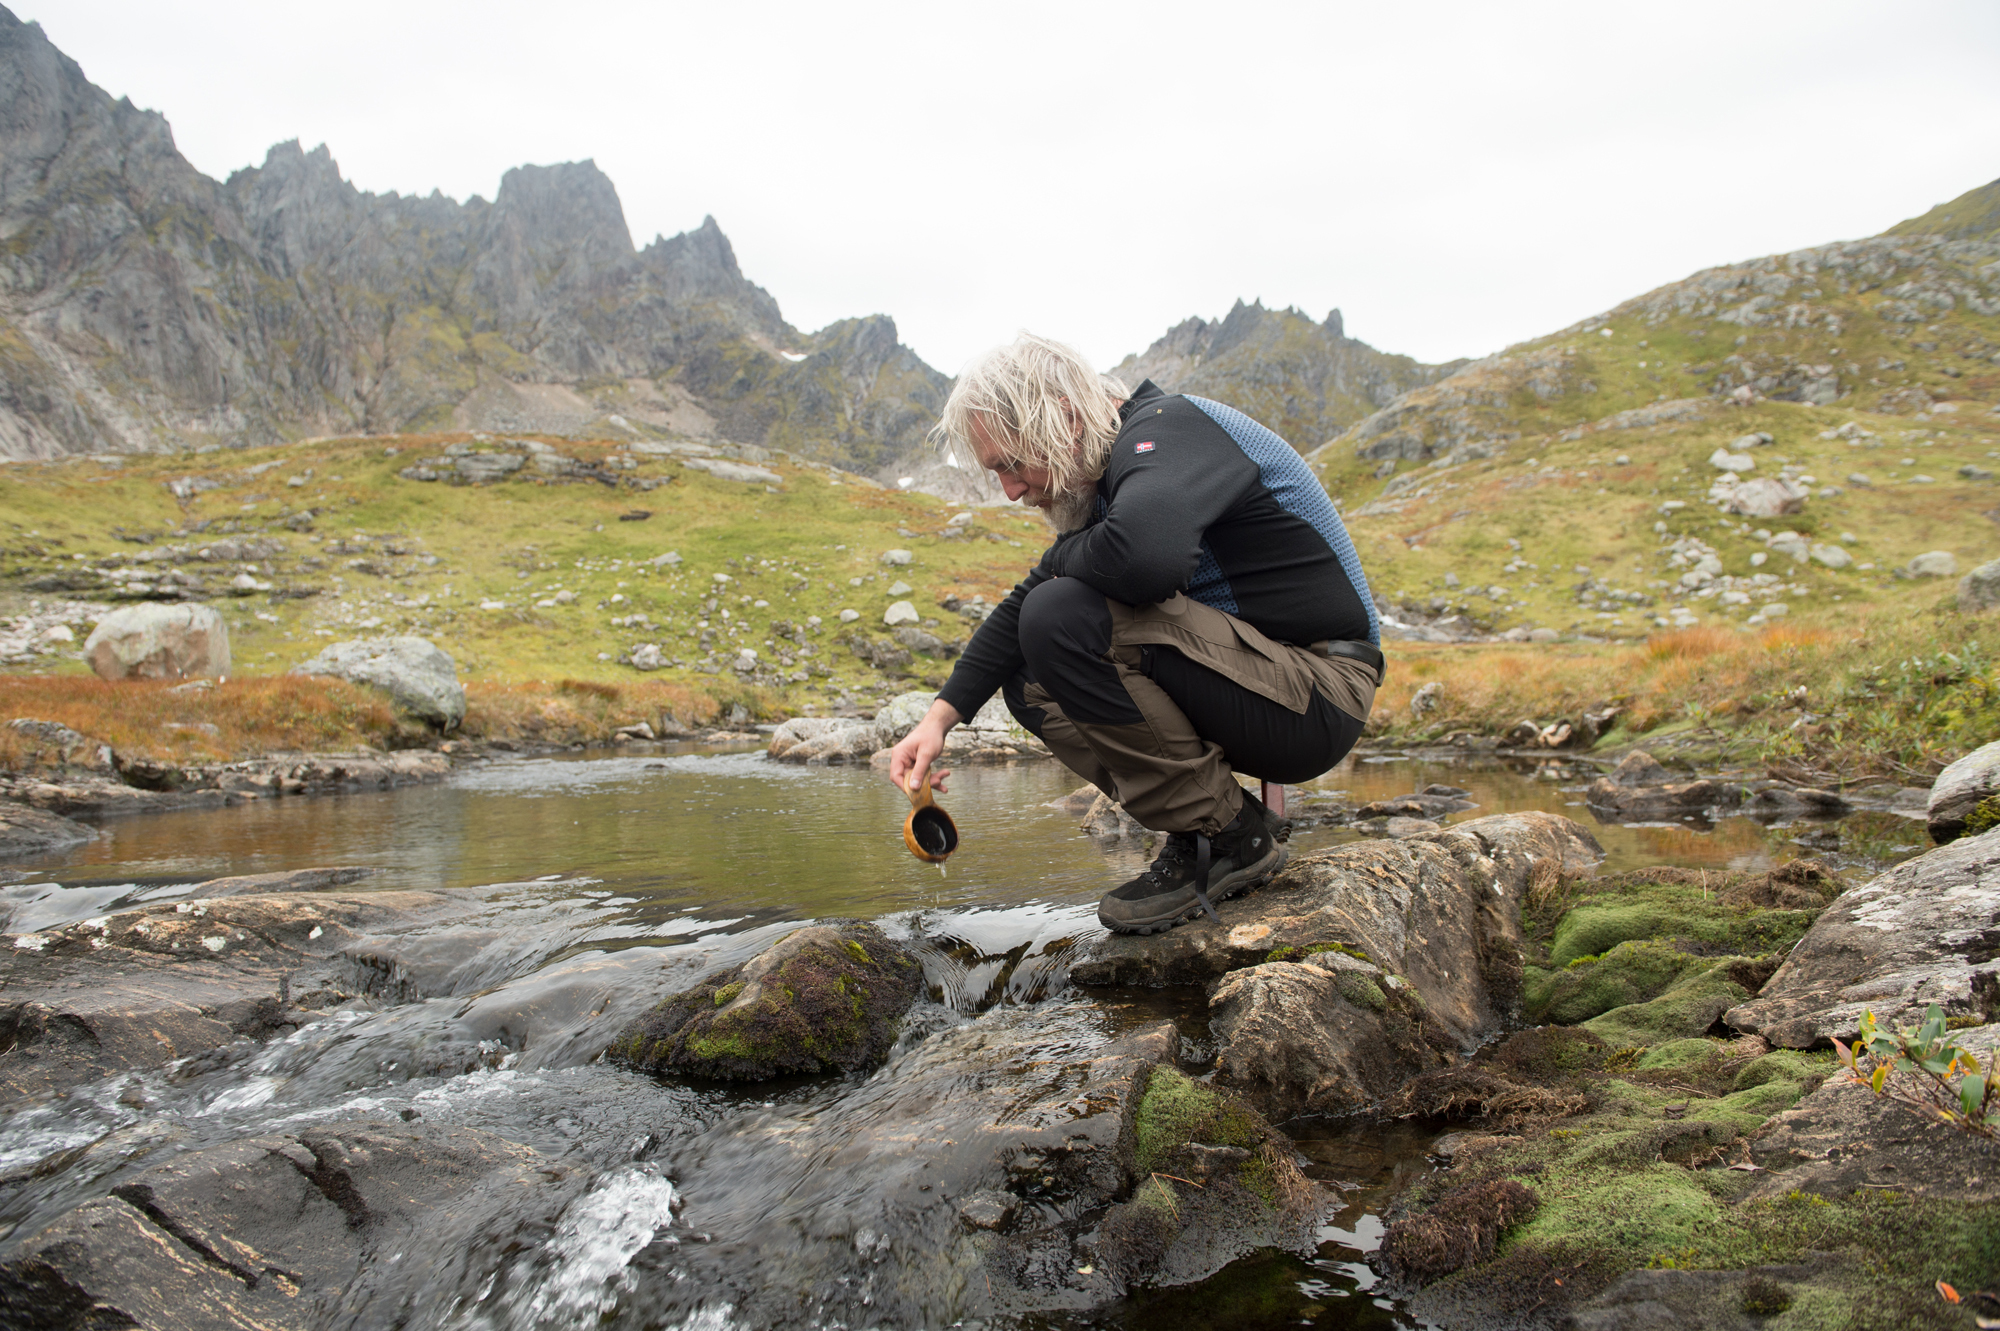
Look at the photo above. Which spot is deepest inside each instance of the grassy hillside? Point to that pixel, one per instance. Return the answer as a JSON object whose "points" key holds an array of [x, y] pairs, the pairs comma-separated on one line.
{"points": [[522, 578]]}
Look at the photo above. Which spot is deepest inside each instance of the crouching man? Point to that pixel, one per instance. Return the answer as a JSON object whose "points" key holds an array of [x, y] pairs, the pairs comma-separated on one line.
{"points": [[1201, 613]]}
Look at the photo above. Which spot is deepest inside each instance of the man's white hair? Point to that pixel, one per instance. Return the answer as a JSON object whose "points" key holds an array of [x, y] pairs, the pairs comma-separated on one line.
{"points": [[1041, 400]]}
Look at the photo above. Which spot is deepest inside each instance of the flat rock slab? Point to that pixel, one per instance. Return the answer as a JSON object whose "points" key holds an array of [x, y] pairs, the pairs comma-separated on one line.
{"points": [[292, 1230], [1843, 1136], [26, 831], [291, 880], [1926, 931]]}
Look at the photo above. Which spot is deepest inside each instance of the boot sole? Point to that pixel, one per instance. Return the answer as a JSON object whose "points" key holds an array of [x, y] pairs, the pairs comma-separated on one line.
{"points": [[1235, 884]]}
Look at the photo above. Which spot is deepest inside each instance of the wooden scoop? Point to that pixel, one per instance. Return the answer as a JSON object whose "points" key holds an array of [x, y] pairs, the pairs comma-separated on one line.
{"points": [[929, 831]]}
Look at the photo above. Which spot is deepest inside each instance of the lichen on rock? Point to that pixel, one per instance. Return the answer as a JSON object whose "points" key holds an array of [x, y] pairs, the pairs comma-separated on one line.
{"points": [[827, 998]]}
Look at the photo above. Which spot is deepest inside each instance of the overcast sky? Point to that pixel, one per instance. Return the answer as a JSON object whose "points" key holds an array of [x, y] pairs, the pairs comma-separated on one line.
{"points": [[1453, 176]]}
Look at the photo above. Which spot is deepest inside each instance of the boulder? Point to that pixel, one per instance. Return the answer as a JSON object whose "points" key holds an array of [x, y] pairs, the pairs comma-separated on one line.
{"points": [[1639, 768], [1358, 967], [417, 676], [992, 735], [1106, 820], [153, 641], [1768, 497], [823, 999], [52, 744], [1921, 933], [256, 1232], [1960, 791], [734, 471], [825, 740], [902, 612], [1979, 590], [1932, 564]]}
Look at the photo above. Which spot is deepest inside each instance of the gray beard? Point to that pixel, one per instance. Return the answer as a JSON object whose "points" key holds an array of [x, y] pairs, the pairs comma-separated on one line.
{"points": [[1071, 512]]}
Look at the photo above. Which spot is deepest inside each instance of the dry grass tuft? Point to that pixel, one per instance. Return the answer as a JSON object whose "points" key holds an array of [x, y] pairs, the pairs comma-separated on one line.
{"points": [[159, 720]]}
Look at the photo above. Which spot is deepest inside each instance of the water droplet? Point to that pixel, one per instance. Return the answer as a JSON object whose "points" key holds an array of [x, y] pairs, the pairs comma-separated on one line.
{"points": [[941, 872]]}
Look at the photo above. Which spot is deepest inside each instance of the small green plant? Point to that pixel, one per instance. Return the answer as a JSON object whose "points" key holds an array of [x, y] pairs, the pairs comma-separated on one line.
{"points": [[1917, 1068]]}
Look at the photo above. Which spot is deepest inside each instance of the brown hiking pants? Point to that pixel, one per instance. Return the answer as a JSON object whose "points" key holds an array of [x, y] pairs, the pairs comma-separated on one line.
{"points": [[1159, 705]]}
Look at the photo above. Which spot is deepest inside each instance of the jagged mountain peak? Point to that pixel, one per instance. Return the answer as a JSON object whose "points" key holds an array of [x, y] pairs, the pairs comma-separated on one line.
{"points": [[328, 310]]}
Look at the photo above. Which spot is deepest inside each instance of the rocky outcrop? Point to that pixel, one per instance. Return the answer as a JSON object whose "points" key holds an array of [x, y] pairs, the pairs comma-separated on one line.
{"points": [[1360, 967], [159, 642], [419, 678], [1926, 931], [1966, 795], [290, 880], [823, 999], [1304, 378], [326, 310], [291, 1230], [1979, 590], [146, 786]]}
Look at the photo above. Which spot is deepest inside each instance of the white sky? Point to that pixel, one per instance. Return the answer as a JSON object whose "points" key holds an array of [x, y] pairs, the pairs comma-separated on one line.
{"points": [[1454, 176]]}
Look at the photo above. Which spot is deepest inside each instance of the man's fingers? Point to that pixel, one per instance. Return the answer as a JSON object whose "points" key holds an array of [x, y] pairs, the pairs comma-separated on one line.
{"points": [[938, 780]]}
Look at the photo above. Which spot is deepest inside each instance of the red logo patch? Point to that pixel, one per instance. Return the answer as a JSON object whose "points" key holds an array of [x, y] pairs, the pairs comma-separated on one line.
{"points": [[1143, 448]]}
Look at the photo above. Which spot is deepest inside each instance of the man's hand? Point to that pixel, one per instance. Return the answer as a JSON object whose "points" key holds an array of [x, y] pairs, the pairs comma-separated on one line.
{"points": [[911, 759]]}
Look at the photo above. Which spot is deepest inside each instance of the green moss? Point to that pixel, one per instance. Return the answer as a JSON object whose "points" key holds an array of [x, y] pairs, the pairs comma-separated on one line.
{"points": [[1678, 1054], [1176, 1110], [1314, 949], [1688, 1007], [1985, 816], [1677, 911], [1632, 972], [727, 993], [1361, 991], [860, 953]]}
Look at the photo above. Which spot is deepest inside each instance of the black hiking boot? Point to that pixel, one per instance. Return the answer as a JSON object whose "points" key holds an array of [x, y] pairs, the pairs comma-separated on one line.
{"points": [[1193, 872]]}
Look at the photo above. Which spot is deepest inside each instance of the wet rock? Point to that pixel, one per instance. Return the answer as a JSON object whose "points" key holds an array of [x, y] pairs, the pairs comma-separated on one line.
{"points": [[1965, 793], [1400, 829], [419, 678], [989, 1210], [1106, 820], [291, 880], [153, 641], [1640, 803], [1079, 801], [305, 1228], [1926, 931], [824, 999], [27, 831], [1796, 802], [1979, 590], [1639, 768], [143, 987], [1424, 804]]}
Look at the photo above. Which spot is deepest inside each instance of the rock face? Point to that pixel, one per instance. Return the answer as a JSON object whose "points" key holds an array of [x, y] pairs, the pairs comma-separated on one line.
{"points": [[1359, 967], [417, 676], [324, 306], [257, 1232], [1922, 933], [824, 999], [159, 642], [1960, 790]]}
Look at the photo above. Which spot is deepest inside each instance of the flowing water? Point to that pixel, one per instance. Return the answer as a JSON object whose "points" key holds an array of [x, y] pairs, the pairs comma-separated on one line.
{"points": [[599, 881]]}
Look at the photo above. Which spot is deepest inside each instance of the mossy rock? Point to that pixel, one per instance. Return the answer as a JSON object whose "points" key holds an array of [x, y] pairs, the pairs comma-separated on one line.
{"points": [[1591, 930], [822, 999]]}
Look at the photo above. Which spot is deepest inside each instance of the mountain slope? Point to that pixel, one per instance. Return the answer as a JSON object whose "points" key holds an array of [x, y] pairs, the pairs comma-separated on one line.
{"points": [[144, 306], [1567, 484], [1306, 380]]}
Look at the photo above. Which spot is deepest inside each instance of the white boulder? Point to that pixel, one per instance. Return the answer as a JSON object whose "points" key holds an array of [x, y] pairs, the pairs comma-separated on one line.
{"points": [[154, 641]]}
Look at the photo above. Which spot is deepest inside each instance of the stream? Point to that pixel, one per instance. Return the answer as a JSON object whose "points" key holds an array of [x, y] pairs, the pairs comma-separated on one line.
{"points": [[601, 878]]}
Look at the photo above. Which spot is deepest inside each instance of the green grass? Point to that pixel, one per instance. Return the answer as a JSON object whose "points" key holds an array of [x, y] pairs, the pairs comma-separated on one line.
{"points": [[517, 541]]}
